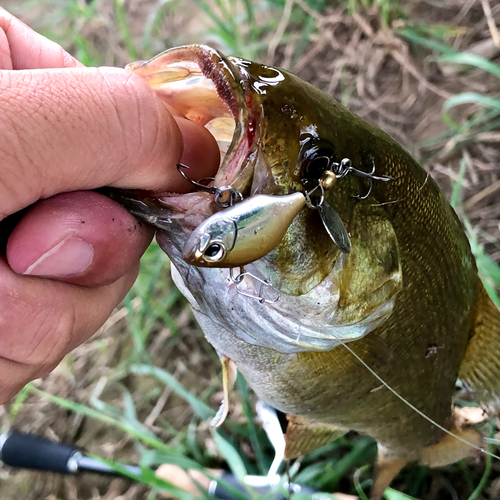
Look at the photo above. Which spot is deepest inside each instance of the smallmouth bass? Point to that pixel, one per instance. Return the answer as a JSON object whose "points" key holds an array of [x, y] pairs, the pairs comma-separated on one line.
{"points": [[406, 297]]}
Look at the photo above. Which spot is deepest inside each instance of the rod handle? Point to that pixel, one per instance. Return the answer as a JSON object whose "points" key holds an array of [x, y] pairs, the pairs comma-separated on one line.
{"points": [[27, 451]]}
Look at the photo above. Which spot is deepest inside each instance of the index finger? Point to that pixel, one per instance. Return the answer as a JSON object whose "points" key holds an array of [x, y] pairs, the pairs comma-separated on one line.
{"points": [[82, 128]]}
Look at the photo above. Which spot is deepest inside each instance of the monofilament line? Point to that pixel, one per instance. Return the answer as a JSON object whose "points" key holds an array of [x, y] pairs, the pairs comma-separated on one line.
{"points": [[415, 409]]}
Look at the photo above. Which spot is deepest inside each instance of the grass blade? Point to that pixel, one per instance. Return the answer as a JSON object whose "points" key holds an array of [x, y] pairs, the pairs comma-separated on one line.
{"points": [[89, 412], [121, 21], [391, 494], [467, 98], [456, 190], [472, 60], [200, 409], [231, 456], [413, 36]]}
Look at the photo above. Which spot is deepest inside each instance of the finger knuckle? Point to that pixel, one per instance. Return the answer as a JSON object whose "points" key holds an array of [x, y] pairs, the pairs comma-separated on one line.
{"points": [[148, 130], [146, 115]]}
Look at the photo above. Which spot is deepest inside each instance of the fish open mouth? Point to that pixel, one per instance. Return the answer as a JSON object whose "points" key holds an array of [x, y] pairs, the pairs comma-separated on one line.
{"points": [[207, 88]]}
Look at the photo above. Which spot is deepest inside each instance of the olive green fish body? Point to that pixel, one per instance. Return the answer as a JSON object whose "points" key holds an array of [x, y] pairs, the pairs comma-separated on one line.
{"points": [[427, 331]]}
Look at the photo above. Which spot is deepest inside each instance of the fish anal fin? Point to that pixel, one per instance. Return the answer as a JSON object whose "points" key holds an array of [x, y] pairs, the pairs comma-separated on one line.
{"points": [[450, 449], [304, 435], [480, 367]]}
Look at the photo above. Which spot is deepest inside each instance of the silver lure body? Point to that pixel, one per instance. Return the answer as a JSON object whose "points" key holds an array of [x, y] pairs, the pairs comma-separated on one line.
{"points": [[243, 233]]}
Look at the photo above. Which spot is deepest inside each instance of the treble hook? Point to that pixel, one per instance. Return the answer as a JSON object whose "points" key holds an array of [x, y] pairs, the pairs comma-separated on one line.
{"points": [[224, 197], [197, 184], [345, 167], [263, 284]]}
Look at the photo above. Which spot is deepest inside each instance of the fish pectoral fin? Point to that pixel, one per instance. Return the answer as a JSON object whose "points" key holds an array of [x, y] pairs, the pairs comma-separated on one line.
{"points": [[371, 274], [480, 367], [229, 374], [303, 435]]}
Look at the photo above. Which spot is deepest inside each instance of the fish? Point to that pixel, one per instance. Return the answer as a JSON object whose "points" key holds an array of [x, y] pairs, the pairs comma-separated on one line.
{"points": [[371, 340]]}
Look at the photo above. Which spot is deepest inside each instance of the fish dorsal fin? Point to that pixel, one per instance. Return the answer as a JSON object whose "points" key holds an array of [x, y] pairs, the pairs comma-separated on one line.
{"points": [[480, 367], [304, 435]]}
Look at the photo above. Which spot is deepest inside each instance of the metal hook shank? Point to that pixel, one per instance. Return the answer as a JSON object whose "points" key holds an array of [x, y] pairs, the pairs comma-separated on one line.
{"points": [[224, 197], [199, 185]]}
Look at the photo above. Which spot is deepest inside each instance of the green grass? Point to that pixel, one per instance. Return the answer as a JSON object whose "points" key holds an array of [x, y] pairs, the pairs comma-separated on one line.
{"points": [[155, 304]]}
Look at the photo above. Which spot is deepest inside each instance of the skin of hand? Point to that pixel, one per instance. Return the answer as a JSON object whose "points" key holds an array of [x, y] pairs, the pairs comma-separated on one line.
{"points": [[69, 255]]}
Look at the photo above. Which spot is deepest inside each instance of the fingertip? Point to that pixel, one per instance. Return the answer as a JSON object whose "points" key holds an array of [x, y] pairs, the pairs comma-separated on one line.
{"points": [[201, 151], [27, 49]]}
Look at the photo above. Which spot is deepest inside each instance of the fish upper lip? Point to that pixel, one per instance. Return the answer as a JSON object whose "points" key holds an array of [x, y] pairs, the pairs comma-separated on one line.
{"points": [[232, 88]]}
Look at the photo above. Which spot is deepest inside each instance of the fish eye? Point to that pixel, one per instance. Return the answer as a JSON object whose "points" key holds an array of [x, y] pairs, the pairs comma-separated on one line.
{"points": [[214, 252], [316, 166], [315, 158]]}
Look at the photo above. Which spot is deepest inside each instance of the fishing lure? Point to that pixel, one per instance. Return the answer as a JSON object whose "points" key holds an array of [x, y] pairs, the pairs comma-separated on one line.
{"points": [[242, 233], [238, 237]]}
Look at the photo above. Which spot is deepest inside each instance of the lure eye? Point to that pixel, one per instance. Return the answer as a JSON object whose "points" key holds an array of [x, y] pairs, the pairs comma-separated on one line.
{"points": [[214, 252]]}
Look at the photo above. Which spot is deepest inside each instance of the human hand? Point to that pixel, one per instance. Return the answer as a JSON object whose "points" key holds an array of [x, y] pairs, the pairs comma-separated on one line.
{"points": [[73, 256]]}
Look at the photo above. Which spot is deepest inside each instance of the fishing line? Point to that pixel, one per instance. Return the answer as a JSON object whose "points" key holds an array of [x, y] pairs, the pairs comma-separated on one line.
{"points": [[390, 202], [415, 409]]}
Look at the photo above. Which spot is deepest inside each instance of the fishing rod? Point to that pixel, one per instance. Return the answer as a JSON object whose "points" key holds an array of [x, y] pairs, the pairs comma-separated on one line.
{"points": [[28, 451]]}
